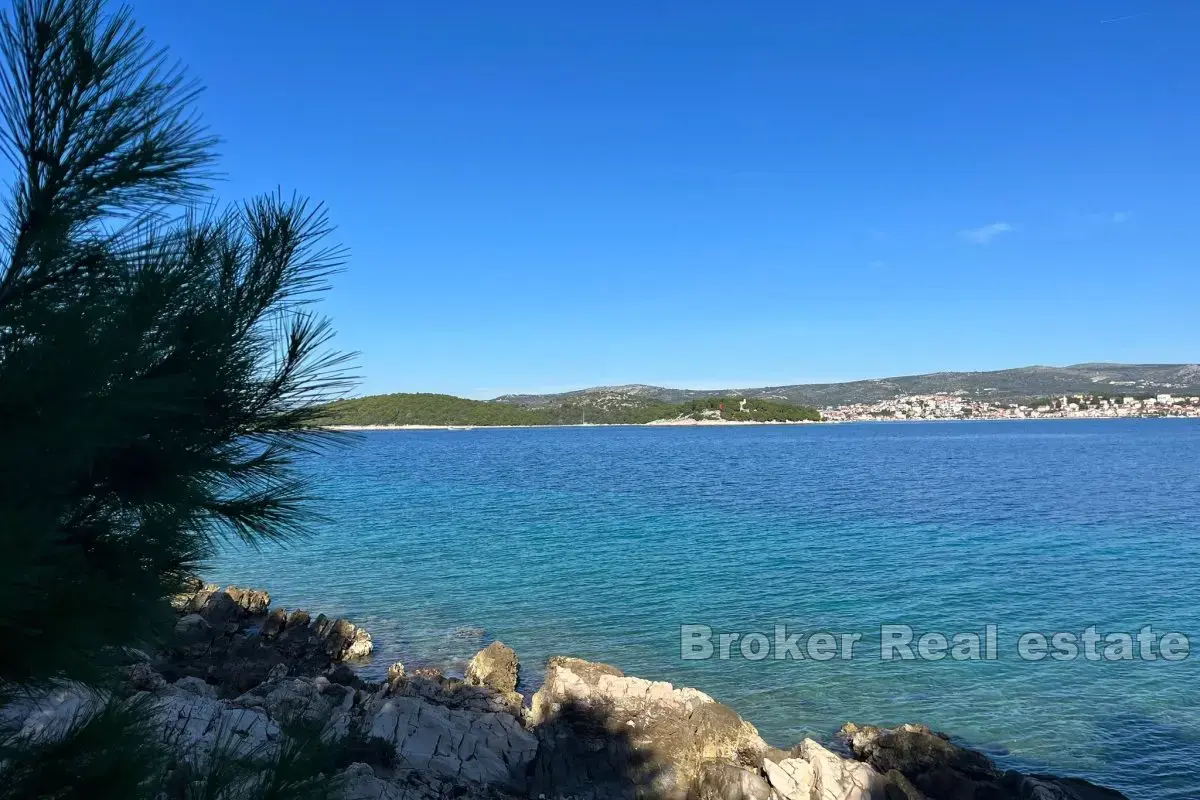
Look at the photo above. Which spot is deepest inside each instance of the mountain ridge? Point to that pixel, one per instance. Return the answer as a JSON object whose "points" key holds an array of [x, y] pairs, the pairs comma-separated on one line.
{"points": [[1020, 383]]}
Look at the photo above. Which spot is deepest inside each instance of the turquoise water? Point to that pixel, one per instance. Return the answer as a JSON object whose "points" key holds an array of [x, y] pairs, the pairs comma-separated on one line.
{"points": [[600, 542]]}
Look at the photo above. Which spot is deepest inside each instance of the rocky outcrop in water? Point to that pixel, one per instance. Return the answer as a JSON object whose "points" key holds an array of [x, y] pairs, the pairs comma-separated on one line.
{"points": [[239, 675], [601, 729], [228, 639], [941, 770]]}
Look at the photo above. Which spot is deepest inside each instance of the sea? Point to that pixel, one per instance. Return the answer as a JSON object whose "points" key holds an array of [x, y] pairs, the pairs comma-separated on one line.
{"points": [[991, 545]]}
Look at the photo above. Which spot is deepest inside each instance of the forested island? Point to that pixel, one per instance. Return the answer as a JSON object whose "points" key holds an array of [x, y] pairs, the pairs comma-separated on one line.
{"points": [[442, 409]]}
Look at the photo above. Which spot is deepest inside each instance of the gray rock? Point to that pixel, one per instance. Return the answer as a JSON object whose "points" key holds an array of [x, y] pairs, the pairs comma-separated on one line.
{"points": [[194, 600], [343, 640], [819, 774], [723, 781], [482, 747], [192, 628], [251, 601], [274, 624], [143, 678], [194, 686], [195, 725], [298, 619], [303, 699], [359, 782], [430, 684]]}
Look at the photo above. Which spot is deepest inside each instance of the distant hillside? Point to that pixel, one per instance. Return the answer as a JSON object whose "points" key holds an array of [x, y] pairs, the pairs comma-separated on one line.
{"points": [[443, 409], [1002, 385]]}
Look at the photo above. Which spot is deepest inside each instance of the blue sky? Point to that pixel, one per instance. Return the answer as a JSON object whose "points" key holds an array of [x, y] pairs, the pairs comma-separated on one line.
{"points": [[541, 196]]}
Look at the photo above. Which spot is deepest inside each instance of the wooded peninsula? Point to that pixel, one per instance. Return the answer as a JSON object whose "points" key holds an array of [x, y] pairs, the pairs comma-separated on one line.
{"points": [[443, 409]]}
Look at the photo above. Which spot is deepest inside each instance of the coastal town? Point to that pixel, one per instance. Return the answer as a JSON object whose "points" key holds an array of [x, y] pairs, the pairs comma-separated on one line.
{"points": [[948, 405]]}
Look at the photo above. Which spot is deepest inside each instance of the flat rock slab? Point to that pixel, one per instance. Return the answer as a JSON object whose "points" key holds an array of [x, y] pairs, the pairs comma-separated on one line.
{"points": [[485, 747]]}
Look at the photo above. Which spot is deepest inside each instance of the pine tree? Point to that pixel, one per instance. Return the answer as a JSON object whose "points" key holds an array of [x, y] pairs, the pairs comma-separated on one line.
{"points": [[160, 369], [160, 366]]}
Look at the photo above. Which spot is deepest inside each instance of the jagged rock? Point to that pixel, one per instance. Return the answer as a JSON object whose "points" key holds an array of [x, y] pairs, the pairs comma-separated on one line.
{"points": [[483, 747], [942, 770], [431, 673], [495, 666], [303, 699], [818, 774], [359, 648], [344, 676], [250, 601], [233, 644], [598, 727], [194, 686], [359, 782], [721, 781], [298, 619], [430, 684], [343, 640], [901, 788], [194, 600], [192, 628], [592, 732], [274, 624], [193, 724], [143, 678], [220, 609]]}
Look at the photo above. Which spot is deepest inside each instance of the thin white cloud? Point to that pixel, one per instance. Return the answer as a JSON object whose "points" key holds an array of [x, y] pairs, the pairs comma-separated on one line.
{"points": [[1121, 216], [985, 233], [1111, 20]]}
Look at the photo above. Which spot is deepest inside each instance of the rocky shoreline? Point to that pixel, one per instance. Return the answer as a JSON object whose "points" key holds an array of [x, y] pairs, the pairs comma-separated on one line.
{"points": [[239, 671]]}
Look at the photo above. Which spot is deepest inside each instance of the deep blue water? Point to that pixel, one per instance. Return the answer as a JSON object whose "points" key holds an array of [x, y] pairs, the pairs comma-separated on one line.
{"points": [[600, 542]]}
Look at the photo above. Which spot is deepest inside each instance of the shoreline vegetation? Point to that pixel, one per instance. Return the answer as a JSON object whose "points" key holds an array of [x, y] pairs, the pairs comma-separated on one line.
{"points": [[721, 423], [664, 423], [432, 411], [426, 411]]}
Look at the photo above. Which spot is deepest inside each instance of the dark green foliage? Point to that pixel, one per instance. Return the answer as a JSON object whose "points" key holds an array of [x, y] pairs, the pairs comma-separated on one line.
{"points": [[156, 376], [442, 409], [752, 409], [159, 370]]}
